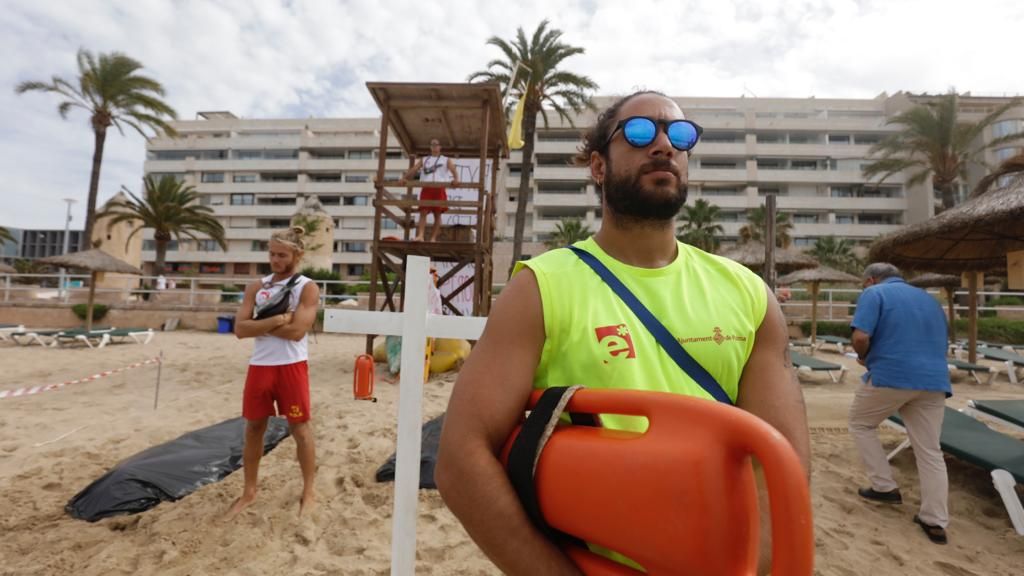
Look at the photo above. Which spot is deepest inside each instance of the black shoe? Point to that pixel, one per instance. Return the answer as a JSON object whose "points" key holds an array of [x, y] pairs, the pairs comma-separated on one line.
{"points": [[936, 534], [892, 497]]}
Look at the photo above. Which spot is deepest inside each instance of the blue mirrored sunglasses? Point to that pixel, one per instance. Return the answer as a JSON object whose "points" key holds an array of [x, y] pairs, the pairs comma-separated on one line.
{"points": [[640, 131]]}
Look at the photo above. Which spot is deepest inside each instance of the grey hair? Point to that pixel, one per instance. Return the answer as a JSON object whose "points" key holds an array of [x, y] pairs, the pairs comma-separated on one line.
{"points": [[881, 271]]}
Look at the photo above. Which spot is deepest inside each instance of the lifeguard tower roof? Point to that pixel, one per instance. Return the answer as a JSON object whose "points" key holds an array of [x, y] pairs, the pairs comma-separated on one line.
{"points": [[456, 114]]}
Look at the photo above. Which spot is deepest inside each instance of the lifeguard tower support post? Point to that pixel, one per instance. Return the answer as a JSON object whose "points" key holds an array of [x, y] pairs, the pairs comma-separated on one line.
{"points": [[469, 121]]}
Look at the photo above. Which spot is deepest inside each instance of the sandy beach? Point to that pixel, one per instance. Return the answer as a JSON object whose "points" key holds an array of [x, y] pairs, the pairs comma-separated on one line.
{"points": [[55, 443]]}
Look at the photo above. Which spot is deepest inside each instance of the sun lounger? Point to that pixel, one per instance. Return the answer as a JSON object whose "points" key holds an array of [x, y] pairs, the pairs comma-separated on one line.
{"points": [[974, 442], [7, 329], [809, 364], [138, 335], [838, 341], [28, 337], [100, 337], [1009, 413], [972, 369], [1012, 360]]}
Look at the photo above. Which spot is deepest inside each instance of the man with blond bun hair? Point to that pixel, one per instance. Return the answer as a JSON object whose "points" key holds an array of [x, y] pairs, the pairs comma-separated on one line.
{"points": [[278, 372]]}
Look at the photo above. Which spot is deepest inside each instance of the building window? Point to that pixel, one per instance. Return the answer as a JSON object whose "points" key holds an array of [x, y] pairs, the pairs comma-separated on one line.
{"points": [[360, 154], [388, 224], [325, 177], [176, 176], [355, 200], [867, 139], [260, 245], [770, 138], [771, 163], [357, 178], [242, 199], [272, 223], [354, 223], [805, 218], [393, 154], [280, 154], [211, 268], [1005, 128], [330, 200], [718, 191], [248, 154], [804, 241], [207, 246], [353, 247], [213, 177], [244, 178], [1004, 153], [804, 164], [842, 192], [276, 201], [838, 138], [355, 269], [844, 219], [242, 268], [802, 139], [714, 164], [150, 245], [279, 177]]}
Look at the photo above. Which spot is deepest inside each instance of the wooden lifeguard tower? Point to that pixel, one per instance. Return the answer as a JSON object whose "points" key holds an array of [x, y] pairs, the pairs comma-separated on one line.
{"points": [[469, 121]]}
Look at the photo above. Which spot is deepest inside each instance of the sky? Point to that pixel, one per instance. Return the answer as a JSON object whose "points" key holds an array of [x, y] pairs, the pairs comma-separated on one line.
{"points": [[297, 59]]}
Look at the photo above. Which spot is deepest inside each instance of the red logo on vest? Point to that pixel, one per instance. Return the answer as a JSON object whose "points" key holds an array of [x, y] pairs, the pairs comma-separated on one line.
{"points": [[616, 341]]}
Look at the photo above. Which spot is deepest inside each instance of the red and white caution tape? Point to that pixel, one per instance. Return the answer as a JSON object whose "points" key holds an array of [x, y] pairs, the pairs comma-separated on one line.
{"points": [[47, 387]]}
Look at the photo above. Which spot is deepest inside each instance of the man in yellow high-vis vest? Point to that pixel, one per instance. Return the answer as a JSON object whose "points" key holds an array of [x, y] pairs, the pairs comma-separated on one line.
{"points": [[557, 323]]}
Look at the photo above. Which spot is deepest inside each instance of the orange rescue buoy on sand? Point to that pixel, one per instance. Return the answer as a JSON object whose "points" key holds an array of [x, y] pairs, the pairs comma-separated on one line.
{"points": [[679, 498], [362, 380]]}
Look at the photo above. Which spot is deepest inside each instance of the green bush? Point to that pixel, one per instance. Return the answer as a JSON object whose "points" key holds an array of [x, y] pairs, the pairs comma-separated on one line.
{"points": [[1000, 301], [98, 311], [995, 330], [324, 274], [229, 293], [827, 328]]}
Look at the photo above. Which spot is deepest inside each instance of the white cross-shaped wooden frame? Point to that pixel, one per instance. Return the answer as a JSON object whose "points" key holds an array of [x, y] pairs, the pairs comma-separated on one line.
{"points": [[415, 324]]}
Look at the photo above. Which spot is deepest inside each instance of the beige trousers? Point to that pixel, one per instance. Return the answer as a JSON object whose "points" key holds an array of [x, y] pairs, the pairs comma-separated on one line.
{"points": [[922, 412]]}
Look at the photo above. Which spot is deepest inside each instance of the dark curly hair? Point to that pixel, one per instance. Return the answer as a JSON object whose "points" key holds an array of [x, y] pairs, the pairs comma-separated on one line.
{"points": [[596, 138]]}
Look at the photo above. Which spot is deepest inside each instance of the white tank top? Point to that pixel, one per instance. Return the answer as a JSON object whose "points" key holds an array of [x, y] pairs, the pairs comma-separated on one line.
{"points": [[435, 169], [269, 350]]}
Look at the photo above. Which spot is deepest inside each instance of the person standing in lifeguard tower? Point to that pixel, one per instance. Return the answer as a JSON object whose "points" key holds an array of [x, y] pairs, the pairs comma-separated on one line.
{"points": [[278, 310], [433, 168]]}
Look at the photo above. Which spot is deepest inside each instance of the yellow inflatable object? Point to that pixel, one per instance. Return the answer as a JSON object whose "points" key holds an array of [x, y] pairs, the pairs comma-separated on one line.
{"points": [[443, 361], [460, 348], [380, 352]]}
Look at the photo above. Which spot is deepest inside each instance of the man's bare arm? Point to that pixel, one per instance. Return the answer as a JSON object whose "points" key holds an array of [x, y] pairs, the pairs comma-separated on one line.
{"points": [[304, 317], [488, 401], [408, 173], [245, 326], [861, 342], [454, 171]]}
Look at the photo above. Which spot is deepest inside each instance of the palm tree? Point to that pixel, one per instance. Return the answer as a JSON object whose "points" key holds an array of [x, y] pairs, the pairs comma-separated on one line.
{"points": [[934, 142], [568, 232], [544, 83], [754, 229], [1010, 166], [700, 229], [6, 236], [168, 207], [837, 253], [112, 92]]}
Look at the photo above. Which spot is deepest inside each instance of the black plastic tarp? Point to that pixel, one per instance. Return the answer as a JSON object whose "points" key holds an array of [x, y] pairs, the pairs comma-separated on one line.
{"points": [[170, 471], [430, 440]]}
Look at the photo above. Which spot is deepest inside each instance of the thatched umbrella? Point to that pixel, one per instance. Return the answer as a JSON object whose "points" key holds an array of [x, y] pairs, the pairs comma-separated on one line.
{"points": [[96, 262], [7, 269], [751, 255], [815, 276], [972, 237]]}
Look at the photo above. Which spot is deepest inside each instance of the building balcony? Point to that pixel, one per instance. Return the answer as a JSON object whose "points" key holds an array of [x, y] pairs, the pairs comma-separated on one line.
{"points": [[790, 203], [249, 187], [553, 147], [720, 149], [736, 175], [559, 173], [575, 200]]}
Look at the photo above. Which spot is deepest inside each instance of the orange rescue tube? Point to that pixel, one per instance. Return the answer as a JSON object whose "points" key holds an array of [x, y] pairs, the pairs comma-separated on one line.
{"points": [[362, 380], [679, 498]]}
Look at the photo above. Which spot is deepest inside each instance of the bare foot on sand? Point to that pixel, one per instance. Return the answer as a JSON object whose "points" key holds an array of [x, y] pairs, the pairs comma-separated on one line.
{"points": [[307, 504], [238, 505]]}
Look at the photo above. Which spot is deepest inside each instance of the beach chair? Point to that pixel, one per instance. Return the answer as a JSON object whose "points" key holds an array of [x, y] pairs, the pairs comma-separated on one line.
{"points": [[838, 341], [101, 337], [44, 338], [972, 441], [972, 369], [1009, 413], [7, 329], [805, 363], [1011, 360], [137, 335]]}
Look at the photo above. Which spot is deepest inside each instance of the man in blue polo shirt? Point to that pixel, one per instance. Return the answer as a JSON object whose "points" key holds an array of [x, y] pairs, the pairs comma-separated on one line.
{"points": [[899, 333]]}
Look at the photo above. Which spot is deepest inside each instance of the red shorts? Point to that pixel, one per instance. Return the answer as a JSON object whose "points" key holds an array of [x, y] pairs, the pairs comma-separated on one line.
{"points": [[287, 385], [433, 194]]}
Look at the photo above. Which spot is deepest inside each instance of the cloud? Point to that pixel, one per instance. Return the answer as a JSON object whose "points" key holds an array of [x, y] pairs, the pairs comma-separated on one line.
{"points": [[268, 58]]}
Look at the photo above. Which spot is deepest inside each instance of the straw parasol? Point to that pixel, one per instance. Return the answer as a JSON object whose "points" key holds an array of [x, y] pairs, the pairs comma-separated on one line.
{"points": [[7, 269], [814, 277], [972, 237], [751, 255], [96, 262]]}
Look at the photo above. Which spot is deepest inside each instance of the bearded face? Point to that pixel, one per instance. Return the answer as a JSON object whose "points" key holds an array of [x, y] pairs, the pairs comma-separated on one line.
{"points": [[658, 201]]}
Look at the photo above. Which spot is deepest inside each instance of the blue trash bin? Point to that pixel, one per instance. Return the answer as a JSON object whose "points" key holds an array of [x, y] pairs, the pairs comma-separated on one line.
{"points": [[225, 324]]}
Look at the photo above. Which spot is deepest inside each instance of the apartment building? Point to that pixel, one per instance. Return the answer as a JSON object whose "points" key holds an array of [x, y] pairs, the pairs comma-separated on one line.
{"points": [[809, 152], [38, 243]]}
